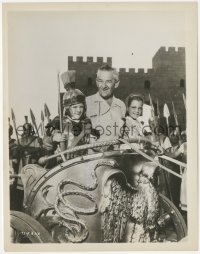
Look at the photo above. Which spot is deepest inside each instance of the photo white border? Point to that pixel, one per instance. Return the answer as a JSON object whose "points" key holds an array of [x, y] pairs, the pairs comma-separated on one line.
{"points": [[191, 81]]}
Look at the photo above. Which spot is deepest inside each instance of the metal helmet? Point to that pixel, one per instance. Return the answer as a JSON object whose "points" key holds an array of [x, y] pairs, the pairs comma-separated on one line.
{"points": [[74, 97]]}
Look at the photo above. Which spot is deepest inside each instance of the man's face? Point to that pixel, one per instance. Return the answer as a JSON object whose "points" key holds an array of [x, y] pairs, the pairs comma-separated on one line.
{"points": [[105, 83]]}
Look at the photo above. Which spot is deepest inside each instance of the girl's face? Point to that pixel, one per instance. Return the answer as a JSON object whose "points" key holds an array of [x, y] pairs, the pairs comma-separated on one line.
{"points": [[135, 109], [76, 111]]}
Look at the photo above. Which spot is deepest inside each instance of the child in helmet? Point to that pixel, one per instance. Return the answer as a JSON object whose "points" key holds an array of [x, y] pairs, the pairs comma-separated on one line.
{"points": [[77, 128], [69, 82]]}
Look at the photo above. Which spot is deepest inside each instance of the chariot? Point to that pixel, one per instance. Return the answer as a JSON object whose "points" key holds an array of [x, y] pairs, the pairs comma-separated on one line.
{"points": [[73, 203]]}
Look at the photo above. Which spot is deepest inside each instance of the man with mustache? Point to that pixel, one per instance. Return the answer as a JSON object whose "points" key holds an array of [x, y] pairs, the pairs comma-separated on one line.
{"points": [[103, 108]]}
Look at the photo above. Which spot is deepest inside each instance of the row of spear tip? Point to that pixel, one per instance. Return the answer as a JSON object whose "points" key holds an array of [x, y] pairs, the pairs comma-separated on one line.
{"points": [[166, 114], [36, 128]]}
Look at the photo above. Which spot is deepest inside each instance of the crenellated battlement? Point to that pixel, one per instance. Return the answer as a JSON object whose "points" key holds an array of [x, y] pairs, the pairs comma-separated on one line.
{"points": [[122, 70], [169, 58], [100, 60], [132, 71], [170, 50], [89, 60], [140, 70]]}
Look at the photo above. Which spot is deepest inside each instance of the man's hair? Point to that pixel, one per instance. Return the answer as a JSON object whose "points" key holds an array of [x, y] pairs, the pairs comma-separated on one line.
{"points": [[107, 67]]}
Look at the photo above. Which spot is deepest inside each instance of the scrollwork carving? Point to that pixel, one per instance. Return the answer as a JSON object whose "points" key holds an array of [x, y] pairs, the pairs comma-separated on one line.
{"points": [[64, 213]]}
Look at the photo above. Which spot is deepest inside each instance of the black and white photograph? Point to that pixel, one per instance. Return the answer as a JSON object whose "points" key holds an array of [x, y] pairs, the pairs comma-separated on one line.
{"points": [[100, 101]]}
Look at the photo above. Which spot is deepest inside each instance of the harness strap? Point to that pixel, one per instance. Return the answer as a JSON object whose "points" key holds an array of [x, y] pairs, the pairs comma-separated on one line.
{"points": [[77, 139]]}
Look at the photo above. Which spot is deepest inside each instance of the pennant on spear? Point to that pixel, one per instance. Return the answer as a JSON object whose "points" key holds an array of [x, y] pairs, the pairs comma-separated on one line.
{"points": [[47, 112], [14, 123], [34, 122], [166, 115]]}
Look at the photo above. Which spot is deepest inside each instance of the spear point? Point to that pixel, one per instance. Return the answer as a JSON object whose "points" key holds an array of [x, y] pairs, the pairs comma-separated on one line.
{"points": [[12, 114], [46, 111], [32, 116], [166, 112], [42, 116]]}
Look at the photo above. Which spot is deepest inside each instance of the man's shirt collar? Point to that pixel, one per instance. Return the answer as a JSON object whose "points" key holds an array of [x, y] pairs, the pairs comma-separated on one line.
{"points": [[114, 101]]}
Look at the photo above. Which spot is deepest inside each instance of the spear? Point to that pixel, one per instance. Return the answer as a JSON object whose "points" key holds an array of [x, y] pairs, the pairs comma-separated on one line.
{"points": [[152, 111], [158, 111], [42, 119], [14, 123], [166, 115], [184, 100], [152, 107], [59, 103], [176, 121], [34, 122], [47, 112]]}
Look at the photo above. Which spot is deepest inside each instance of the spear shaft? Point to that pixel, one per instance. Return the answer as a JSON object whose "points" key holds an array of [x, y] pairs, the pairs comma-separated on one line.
{"points": [[176, 122], [59, 104], [184, 100], [42, 119], [153, 113], [158, 111]]}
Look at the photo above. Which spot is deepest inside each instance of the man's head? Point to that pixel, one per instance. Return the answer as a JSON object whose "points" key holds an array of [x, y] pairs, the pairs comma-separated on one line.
{"points": [[107, 80]]}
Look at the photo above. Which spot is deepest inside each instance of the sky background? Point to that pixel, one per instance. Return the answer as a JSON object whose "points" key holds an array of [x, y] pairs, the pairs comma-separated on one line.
{"points": [[39, 44]]}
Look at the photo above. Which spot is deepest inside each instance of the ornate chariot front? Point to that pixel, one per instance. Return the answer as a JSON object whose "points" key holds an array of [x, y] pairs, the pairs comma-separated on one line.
{"points": [[86, 199]]}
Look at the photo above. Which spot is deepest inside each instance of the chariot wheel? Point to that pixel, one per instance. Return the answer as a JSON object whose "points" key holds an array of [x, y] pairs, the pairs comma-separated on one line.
{"points": [[172, 226], [25, 229]]}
